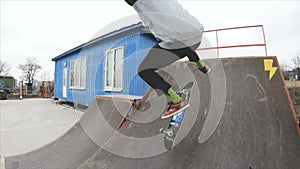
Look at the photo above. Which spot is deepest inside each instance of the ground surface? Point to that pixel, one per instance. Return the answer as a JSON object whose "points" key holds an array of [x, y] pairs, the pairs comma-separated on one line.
{"points": [[29, 124]]}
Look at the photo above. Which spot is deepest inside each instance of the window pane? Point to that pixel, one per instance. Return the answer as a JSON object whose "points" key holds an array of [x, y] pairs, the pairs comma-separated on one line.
{"points": [[72, 73], [64, 78], [83, 72], [118, 67], [109, 69], [77, 73]]}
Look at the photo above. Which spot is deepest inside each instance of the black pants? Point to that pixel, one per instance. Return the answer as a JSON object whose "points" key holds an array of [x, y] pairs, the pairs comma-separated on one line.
{"points": [[158, 58]]}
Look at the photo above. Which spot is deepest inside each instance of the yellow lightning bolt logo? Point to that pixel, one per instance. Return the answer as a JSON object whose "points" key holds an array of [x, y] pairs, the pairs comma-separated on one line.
{"points": [[269, 67]]}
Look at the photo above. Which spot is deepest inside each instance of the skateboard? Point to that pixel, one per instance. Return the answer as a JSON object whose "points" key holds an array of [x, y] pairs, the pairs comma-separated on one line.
{"points": [[175, 122], [135, 104]]}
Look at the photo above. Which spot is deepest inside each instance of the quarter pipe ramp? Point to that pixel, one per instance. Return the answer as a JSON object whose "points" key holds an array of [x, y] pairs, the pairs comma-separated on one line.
{"points": [[241, 116]]}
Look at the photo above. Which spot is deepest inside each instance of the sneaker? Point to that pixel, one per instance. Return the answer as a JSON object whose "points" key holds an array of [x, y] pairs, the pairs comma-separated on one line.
{"points": [[175, 109], [205, 70]]}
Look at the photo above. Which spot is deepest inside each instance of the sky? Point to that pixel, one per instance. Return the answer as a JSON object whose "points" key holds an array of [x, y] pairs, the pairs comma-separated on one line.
{"points": [[46, 29]]}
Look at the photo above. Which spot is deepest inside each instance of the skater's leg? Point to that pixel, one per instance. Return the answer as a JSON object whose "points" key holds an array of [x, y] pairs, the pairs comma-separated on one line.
{"points": [[193, 57], [151, 77], [158, 58]]}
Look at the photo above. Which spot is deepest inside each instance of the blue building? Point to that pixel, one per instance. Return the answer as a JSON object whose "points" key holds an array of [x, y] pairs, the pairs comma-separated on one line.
{"points": [[106, 65]]}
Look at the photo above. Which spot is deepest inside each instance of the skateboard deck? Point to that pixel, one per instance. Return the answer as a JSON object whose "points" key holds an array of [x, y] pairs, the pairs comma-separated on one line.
{"points": [[175, 121]]}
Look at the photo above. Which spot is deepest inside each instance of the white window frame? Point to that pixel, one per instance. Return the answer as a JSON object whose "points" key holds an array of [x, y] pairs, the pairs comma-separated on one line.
{"points": [[113, 88], [79, 70]]}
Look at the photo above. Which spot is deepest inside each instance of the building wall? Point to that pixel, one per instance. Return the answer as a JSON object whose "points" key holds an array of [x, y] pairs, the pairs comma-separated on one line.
{"points": [[136, 47]]}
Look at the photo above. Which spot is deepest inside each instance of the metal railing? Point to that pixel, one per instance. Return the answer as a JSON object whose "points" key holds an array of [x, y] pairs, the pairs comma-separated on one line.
{"points": [[218, 47]]}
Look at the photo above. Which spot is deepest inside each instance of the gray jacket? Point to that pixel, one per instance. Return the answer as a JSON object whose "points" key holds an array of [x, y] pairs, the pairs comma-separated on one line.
{"points": [[169, 22]]}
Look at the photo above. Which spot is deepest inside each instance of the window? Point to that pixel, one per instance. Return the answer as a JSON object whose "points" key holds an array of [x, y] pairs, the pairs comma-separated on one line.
{"points": [[78, 73], [114, 69]]}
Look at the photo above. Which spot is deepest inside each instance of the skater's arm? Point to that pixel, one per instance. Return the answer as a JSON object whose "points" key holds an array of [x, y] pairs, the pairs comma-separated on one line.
{"points": [[130, 2]]}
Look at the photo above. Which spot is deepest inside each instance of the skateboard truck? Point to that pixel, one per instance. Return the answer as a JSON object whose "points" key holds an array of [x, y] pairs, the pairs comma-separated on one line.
{"points": [[167, 132], [185, 92]]}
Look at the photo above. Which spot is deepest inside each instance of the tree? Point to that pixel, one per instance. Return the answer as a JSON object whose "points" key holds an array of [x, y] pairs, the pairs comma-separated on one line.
{"points": [[284, 68], [296, 60], [45, 76], [4, 68], [29, 70]]}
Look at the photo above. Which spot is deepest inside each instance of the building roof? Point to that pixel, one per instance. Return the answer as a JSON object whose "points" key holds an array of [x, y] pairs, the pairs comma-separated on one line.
{"points": [[118, 25], [109, 31]]}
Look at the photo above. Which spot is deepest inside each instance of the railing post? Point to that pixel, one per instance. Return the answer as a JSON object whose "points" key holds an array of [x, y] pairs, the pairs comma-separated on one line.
{"points": [[265, 42], [217, 40]]}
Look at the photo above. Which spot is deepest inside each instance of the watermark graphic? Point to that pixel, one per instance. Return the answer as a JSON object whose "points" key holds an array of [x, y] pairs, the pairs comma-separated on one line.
{"points": [[102, 118]]}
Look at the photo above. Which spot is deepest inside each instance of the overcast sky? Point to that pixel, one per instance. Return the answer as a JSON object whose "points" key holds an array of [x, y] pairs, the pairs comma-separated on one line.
{"points": [[45, 29]]}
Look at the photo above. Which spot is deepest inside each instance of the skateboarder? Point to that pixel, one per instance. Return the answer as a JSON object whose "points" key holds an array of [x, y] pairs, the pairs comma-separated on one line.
{"points": [[179, 34]]}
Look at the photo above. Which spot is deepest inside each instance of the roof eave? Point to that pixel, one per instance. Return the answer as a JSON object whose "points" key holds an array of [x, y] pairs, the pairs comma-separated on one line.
{"points": [[93, 41]]}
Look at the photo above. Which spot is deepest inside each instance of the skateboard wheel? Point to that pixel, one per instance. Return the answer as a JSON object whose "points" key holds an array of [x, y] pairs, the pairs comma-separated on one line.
{"points": [[161, 130], [185, 91], [170, 133]]}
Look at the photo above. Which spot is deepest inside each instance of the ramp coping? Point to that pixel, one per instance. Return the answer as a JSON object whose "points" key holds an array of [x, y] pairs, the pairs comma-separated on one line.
{"points": [[120, 97]]}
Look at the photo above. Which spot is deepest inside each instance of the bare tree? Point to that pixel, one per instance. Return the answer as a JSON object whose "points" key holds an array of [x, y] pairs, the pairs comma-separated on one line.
{"points": [[45, 76], [296, 60], [284, 68], [4, 68], [29, 69]]}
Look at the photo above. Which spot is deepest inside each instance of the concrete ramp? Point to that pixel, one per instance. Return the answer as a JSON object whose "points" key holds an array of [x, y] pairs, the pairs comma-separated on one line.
{"points": [[240, 117]]}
